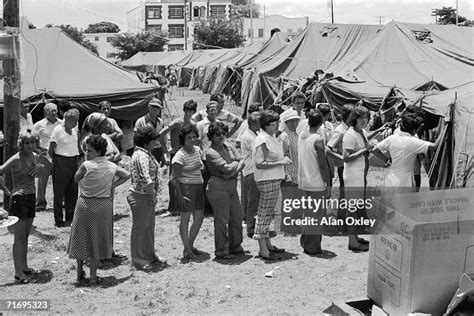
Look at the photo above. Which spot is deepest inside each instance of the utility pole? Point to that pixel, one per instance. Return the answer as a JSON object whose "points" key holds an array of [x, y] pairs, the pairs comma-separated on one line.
{"points": [[251, 21], [331, 5], [185, 26], [380, 18], [457, 15], [11, 88]]}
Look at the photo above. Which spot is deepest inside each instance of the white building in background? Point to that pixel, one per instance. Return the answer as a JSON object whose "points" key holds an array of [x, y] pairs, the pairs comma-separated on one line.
{"points": [[102, 41], [262, 27], [176, 17]]}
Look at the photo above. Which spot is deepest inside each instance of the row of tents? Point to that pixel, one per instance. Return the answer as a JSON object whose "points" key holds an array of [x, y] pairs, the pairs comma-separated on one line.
{"points": [[378, 65], [431, 66]]}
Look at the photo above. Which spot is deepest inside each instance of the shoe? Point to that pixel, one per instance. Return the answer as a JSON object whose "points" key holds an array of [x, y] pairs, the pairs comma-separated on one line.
{"points": [[277, 250], [67, 224], [313, 253], [362, 241], [250, 235], [30, 271], [198, 252], [81, 275], [95, 280], [271, 256], [189, 254], [227, 256], [238, 251], [166, 214], [23, 280], [360, 248], [60, 224]]}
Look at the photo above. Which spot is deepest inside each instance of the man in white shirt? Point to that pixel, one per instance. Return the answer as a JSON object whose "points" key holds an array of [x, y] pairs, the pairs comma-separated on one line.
{"points": [[44, 128], [221, 114], [64, 148], [203, 126], [153, 119], [297, 104], [26, 121], [250, 193]]}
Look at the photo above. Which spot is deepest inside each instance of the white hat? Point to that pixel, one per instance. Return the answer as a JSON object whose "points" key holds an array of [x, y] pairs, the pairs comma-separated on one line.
{"points": [[290, 115], [156, 102]]}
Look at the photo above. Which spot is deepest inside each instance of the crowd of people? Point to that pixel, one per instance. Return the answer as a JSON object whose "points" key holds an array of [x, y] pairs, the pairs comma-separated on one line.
{"points": [[304, 148]]}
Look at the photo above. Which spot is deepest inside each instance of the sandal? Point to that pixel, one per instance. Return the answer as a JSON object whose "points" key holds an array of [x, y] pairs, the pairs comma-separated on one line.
{"points": [[277, 250], [189, 255], [271, 256], [362, 241], [23, 280], [226, 256], [30, 271]]}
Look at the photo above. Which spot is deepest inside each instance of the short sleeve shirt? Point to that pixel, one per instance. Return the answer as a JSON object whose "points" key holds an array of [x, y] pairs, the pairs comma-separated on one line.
{"points": [[275, 153], [192, 165], [66, 144]]}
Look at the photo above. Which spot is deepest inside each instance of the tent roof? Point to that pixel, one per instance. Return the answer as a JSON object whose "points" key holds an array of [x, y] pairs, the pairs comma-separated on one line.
{"points": [[56, 64], [275, 43], [146, 61], [409, 55]]}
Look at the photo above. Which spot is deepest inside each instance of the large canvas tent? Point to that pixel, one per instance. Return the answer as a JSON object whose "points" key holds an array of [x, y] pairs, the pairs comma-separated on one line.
{"points": [[317, 47], [155, 62], [56, 67], [412, 55]]}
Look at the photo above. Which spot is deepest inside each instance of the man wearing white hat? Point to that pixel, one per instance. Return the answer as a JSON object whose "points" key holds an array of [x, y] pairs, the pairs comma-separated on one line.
{"points": [[289, 141], [153, 119]]}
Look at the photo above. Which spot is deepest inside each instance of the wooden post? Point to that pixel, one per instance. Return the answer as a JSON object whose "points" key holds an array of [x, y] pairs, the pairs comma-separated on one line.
{"points": [[12, 89]]}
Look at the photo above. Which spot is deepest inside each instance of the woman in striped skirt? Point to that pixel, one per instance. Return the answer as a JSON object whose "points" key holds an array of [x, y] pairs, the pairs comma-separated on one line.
{"points": [[92, 227], [269, 164]]}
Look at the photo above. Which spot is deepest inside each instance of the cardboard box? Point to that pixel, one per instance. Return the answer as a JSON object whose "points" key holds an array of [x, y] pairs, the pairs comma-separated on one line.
{"points": [[424, 247], [354, 308]]}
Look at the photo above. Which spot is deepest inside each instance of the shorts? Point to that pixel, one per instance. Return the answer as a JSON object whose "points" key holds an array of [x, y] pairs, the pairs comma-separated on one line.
{"points": [[193, 195], [23, 206]]}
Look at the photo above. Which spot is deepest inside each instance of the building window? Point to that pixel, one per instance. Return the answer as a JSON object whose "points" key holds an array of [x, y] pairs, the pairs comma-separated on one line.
{"points": [[217, 11], [156, 27], [176, 31], [175, 47], [196, 12], [96, 38], [154, 12], [202, 10], [110, 39], [260, 33], [111, 55], [250, 32], [175, 12]]}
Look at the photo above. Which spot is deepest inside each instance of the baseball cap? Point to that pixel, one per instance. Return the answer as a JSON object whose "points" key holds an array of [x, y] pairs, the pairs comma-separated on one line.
{"points": [[156, 102]]}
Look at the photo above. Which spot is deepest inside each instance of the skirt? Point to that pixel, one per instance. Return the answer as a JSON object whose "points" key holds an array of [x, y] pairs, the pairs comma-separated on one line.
{"points": [[92, 229]]}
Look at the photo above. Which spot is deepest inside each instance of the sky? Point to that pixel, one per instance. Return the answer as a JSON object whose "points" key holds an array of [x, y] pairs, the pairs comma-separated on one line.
{"points": [[80, 13]]}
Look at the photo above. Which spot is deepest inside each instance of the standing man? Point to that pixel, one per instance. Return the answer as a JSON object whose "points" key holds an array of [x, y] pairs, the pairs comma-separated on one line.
{"points": [[175, 128], [221, 114], [203, 125], [116, 134], [44, 128], [250, 195], [153, 119], [26, 121], [297, 103], [313, 178], [64, 148]]}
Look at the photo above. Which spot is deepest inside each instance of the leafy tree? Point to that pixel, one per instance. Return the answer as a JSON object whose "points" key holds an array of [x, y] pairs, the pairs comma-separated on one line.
{"points": [[447, 15], [218, 32], [31, 26], [241, 9], [102, 27], [130, 44], [77, 36]]}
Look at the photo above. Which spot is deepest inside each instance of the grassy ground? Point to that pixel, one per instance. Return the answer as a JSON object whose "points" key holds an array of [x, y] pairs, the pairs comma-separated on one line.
{"points": [[302, 284]]}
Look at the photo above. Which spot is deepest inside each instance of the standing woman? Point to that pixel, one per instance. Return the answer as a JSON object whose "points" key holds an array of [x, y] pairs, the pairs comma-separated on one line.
{"points": [[355, 150], [92, 227], [187, 181], [224, 165], [269, 172], [142, 197], [24, 167]]}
